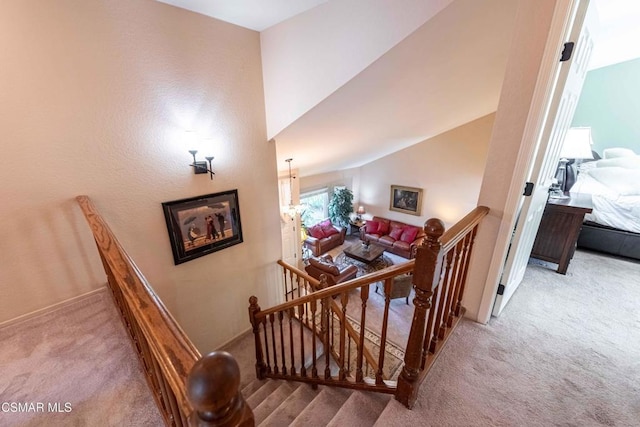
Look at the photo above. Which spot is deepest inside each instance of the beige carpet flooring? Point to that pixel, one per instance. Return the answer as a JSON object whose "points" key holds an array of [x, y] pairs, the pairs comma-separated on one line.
{"points": [[80, 358]]}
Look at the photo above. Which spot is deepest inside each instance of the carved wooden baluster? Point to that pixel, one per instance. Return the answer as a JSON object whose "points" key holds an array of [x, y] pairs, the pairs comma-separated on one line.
{"points": [[272, 319], [325, 307], [344, 300], [290, 315], [282, 349], [364, 296], [266, 343], [254, 309], [425, 278], [462, 248], [314, 309], [303, 369], [388, 284], [284, 281], [213, 389], [463, 283], [440, 301]]}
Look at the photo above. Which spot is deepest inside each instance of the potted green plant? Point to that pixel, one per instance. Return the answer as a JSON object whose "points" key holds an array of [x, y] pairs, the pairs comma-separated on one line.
{"points": [[341, 206]]}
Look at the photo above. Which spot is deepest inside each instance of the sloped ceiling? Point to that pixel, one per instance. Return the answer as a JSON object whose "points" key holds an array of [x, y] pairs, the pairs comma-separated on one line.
{"points": [[445, 74], [253, 14]]}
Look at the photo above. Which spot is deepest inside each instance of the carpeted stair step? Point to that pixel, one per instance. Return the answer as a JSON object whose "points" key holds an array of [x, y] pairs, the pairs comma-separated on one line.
{"points": [[292, 406], [274, 400], [261, 393], [361, 409], [321, 409], [395, 413], [252, 387]]}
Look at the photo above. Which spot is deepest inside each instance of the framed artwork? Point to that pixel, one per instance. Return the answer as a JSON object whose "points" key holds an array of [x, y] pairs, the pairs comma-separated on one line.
{"points": [[406, 199], [201, 225]]}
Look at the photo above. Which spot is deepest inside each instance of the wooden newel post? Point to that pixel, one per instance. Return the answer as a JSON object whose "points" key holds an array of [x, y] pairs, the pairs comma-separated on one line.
{"points": [[425, 279], [213, 389], [253, 309]]}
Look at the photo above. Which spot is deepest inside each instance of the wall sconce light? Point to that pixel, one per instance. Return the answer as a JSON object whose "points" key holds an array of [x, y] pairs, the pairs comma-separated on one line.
{"points": [[200, 166]]}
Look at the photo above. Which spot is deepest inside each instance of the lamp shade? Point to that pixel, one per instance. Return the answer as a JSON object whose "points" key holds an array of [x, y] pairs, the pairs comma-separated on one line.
{"points": [[577, 144], [360, 210]]}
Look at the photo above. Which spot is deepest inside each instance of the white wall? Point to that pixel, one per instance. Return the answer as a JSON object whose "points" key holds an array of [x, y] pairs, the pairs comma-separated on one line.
{"points": [[309, 56], [347, 177], [447, 167], [532, 27], [95, 99]]}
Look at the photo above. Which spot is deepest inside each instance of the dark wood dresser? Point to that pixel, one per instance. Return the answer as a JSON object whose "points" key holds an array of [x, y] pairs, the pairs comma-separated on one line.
{"points": [[559, 229]]}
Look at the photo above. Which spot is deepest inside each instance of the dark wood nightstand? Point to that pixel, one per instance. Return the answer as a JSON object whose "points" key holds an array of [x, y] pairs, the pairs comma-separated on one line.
{"points": [[559, 229]]}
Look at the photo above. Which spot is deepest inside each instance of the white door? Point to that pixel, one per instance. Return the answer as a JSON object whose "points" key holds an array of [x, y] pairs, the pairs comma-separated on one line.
{"points": [[289, 225], [560, 113]]}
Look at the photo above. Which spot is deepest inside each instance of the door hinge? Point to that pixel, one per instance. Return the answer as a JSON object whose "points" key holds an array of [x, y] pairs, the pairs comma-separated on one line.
{"points": [[500, 289], [528, 189], [567, 51]]}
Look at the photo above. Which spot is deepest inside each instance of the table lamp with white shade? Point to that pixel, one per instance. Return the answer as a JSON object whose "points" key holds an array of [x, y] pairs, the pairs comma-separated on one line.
{"points": [[576, 147]]}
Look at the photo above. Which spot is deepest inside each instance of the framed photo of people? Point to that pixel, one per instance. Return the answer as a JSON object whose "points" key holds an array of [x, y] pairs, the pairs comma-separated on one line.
{"points": [[201, 225], [406, 199]]}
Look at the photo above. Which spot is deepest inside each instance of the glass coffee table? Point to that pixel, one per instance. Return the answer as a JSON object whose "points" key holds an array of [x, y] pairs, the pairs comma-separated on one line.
{"points": [[364, 254]]}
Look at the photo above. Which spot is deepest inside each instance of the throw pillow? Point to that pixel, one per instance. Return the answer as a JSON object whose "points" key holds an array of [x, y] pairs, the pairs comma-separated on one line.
{"points": [[383, 228], [372, 227], [396, 232], [409, 234], [325, 223], [316, 231], [329, 231]]}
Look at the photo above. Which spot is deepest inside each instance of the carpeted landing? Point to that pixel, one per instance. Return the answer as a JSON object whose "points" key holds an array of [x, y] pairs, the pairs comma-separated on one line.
{"points": [[78, 363]]}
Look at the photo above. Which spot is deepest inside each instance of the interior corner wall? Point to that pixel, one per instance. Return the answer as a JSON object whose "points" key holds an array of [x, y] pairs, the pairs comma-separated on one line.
{"points": [[609, 104], [96, 96], [448, 168], [533, 22]]}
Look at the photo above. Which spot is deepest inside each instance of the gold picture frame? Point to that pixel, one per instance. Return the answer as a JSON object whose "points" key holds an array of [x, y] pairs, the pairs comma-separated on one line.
{"points": [[406, 199]]}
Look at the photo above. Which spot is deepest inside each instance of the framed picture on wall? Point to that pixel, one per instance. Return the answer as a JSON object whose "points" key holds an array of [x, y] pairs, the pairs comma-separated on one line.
{"points": [[406, 199], [201, 225]]}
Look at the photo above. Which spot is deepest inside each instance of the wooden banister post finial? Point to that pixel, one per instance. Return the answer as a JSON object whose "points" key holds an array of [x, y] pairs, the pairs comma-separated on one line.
{"points": [[426, 275], [213, 389], [254, 308]]}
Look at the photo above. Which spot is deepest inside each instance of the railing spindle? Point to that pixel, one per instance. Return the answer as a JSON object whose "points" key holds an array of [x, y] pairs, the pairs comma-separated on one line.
{"points": [[364, 297]]}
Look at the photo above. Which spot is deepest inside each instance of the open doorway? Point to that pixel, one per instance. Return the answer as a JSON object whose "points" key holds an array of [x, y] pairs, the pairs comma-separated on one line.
{"points": [[559, 117]]}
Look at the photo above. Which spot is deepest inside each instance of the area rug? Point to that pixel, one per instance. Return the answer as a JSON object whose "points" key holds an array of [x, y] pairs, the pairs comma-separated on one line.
{"points": [[379, 263], [394, 354]]}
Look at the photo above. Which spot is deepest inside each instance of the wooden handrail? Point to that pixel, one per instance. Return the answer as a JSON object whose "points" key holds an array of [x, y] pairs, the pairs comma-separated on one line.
{"points": [[460, 229], [439, 276], [165, 351], [358, 282]]}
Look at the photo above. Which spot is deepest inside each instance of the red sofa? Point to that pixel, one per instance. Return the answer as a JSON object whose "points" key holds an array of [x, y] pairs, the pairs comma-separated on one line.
{"points": [[394, 236], [324, 236]]}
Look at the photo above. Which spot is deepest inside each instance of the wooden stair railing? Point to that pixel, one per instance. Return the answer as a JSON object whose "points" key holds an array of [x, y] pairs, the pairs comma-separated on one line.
{"points": [[189, 390], [439, 278]]}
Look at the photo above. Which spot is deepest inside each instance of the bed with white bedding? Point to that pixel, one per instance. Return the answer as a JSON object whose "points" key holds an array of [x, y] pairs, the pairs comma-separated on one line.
{"points": [[614, 184]]}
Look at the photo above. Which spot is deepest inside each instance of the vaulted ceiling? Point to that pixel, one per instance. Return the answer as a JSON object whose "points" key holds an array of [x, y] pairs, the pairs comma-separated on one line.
{"points": [[446, 73]]}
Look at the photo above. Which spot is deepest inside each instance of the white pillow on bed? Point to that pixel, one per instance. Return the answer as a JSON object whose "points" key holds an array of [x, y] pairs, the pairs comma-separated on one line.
{"points": [[625, 182], [611, 153], [632, 162]]}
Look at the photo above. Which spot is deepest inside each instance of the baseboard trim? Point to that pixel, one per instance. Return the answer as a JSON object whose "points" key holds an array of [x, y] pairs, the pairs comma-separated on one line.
{"points": [[237, 338], [52, 308]]}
